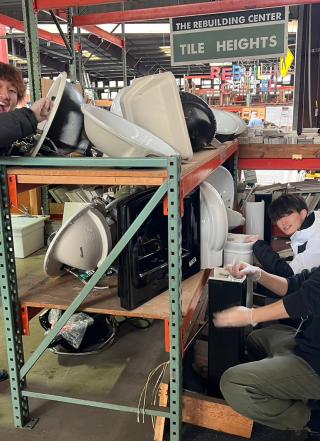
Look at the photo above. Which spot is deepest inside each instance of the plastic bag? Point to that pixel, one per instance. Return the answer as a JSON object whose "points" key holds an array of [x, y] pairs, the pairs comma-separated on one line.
{"points": [[54, 316], [75, 328]]}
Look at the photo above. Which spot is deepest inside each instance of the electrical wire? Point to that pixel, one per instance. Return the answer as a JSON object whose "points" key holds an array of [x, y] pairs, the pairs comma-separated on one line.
{"points": [[143, 395], [83, 281], [155, 392]]}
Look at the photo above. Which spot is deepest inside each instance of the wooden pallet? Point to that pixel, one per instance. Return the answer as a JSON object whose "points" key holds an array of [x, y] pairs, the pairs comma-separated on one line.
{"points": [[210, 413]]}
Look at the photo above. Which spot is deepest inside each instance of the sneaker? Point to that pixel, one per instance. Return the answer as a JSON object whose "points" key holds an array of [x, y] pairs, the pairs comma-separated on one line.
{"points": [[3, 375]]}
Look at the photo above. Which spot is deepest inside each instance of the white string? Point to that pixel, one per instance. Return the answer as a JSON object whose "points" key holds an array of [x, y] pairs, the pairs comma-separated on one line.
{"points": [[156, 389], [143, 395]]}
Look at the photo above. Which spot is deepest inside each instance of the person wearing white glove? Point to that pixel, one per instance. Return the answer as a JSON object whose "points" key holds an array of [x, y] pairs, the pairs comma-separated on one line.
{"points": [[290, 213], [276, 390]]}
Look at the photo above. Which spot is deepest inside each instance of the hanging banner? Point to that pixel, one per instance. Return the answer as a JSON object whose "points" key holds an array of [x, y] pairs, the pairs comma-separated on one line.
{"points": [[231, 36], [285, 63]]}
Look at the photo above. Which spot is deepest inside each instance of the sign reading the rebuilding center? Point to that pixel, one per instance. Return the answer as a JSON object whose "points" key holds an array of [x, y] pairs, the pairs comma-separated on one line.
{"points": [[241, 35]]}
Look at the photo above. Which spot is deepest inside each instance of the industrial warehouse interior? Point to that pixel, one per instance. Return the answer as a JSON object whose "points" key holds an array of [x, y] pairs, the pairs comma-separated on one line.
{"points": [[160, 196]]}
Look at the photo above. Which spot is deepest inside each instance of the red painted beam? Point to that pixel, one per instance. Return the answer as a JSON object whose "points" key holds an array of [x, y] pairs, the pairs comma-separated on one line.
{"points": [[111, 38], [278, 164], [16, 24], [181, 11], [39, 5]]}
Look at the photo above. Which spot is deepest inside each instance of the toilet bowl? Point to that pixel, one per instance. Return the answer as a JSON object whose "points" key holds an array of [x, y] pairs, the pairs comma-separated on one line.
{"points": [[237, 248]]}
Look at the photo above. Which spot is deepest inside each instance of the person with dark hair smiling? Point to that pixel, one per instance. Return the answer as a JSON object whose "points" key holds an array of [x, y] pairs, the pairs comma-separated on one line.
{"points": [[289, 212], [16, 124]]}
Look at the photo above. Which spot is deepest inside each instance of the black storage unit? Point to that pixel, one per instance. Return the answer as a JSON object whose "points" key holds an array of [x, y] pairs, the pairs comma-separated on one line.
{"points": [[143, 264], [226, 346]]}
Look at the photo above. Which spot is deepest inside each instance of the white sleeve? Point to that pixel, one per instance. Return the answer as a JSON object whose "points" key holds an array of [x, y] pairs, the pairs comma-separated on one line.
{"points": [[310, 258]]}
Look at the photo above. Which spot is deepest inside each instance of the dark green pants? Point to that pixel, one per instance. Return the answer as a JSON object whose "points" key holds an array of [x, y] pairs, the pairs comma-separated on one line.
{"points": [[274, 390]]}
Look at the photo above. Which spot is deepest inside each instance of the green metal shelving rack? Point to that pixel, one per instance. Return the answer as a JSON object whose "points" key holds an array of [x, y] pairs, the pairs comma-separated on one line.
{"points": [[18, 367]]}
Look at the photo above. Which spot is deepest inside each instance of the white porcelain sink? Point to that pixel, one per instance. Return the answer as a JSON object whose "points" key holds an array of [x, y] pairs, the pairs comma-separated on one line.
{"points": [[117, 137], [153, 102], [83, 242], [55, 94], [228, 123], [222, 181]]}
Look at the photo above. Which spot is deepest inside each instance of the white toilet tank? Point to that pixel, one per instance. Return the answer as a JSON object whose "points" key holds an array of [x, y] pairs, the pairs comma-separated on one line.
{"points": [[238, 248]]}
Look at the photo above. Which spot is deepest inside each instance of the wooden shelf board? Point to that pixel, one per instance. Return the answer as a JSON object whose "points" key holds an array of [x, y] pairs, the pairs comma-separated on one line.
{"points": [[281, 151], [61, 291], [202, 164]]}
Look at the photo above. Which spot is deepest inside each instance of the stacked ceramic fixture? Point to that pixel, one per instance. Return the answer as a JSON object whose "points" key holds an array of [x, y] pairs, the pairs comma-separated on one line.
{"points": [[115, 136], [237, 246], [153, 102], [62, 132], [83, 242], [146, 118], [228, 125], [214, 226], [221, 179]]}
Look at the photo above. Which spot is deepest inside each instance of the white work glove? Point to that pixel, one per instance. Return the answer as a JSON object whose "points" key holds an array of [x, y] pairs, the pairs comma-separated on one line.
{"points": [[42, 108], [241, 269], [237, 316]]}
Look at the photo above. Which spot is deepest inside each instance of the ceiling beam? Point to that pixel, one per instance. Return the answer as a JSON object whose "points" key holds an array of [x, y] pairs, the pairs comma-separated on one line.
{"points": [[45, 60], [111, 38], [116, 53], [39, 5], [108, 36], [181, 10], [44, 35]]}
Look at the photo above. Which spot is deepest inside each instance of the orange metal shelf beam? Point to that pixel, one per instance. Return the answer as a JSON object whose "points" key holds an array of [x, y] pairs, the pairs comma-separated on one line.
{"points": [[278, 164], [191, 180], [39, 5], [181, 11]]}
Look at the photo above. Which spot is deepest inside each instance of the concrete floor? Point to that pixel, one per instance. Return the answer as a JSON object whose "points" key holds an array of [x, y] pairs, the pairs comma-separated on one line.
{"points": [[117, 375]]}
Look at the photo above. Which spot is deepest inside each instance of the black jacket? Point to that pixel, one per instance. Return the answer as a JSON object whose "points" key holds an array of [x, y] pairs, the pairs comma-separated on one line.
{"points": [[271, 261], [303, 301], [15, 126]]}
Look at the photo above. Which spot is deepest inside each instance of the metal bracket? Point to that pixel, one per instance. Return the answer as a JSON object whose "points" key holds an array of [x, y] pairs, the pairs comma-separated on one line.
{"points": [[31, 423]]}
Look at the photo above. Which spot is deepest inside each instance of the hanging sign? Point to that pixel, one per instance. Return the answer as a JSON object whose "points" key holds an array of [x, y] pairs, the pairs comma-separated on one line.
{"points": [[241, 35], [285, 63]]}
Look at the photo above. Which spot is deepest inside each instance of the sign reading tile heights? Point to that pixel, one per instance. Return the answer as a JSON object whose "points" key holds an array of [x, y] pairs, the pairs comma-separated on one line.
{"points": [[231, 36]]}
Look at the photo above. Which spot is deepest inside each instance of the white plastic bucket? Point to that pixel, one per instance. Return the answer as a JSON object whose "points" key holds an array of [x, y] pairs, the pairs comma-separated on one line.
{"points": [[235, 256], [237, 249]]}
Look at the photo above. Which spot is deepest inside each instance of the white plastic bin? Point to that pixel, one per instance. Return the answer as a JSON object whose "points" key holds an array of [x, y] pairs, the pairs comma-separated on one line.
{"points": [[237, 249], [28, 235]]}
